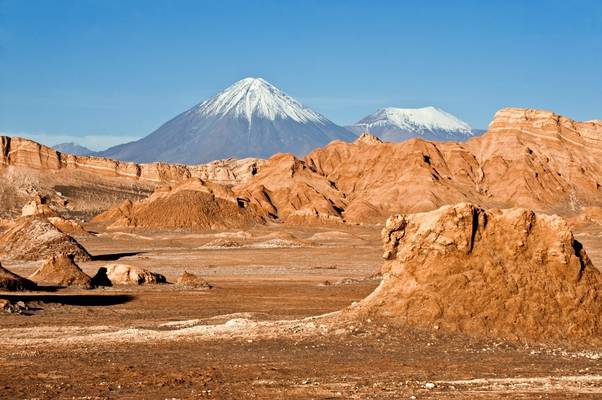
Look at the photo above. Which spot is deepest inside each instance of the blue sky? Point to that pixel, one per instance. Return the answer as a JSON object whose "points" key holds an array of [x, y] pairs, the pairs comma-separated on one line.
{"points": [[103, 72]]}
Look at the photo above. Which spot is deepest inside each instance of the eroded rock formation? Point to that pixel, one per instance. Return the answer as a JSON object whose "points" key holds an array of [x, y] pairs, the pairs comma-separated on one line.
{"points": [[507, 273]]}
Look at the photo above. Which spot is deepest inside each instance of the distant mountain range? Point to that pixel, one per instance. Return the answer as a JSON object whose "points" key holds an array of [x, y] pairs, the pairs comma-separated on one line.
{"points": [[73, 148], [430, 123], [253, 118]]}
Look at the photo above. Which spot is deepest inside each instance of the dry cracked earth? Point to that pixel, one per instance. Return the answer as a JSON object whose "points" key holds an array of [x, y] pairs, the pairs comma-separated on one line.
{"points": [[267, 330]]}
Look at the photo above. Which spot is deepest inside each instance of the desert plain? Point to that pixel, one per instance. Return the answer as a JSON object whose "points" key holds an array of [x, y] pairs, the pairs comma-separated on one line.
{"points": [[476, 295]]}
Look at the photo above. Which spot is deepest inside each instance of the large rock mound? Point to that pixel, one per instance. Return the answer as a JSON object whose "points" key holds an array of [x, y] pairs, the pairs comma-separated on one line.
{"points": [[61, 270], [35, 238], [12, 282], [507, 273], [193, 204]]}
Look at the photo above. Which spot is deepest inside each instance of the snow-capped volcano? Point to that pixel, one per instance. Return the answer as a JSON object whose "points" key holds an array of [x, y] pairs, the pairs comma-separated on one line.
{"points": [[251, 118], [431, 123], [255, 98]]}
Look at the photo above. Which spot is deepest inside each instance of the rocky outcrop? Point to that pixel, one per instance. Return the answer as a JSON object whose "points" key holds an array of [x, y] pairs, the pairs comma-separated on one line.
{"points": [[13, 282], [506, 273], [61, 270], [193, 204], [35, 238], [123, 274]]}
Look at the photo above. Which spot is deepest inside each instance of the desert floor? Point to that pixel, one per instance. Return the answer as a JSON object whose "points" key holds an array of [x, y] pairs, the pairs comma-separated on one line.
{"points": [[250, 337]]}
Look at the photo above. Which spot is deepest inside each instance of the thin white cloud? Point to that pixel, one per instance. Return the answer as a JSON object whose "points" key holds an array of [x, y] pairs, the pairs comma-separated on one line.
{"points": [[93, 142]]}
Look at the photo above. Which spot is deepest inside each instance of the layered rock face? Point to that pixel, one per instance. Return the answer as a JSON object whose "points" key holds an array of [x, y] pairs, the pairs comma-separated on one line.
{"points": [[506, 273], [193, 204], [529, 158], [19, 152], [35, 238]]}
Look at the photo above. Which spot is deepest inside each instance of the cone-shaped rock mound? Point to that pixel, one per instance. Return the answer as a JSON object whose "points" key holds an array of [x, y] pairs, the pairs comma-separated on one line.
{"points": [[193, 204], [190, 280], [61, 270], [35, 238], [507, 273], [13, 282]]}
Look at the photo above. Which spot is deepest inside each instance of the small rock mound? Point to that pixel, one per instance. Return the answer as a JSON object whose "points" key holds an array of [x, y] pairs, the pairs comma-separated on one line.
{"points": [[61, 270], [506, 273], [123, 274], [35, 238], [193, 281], [13, 282]]}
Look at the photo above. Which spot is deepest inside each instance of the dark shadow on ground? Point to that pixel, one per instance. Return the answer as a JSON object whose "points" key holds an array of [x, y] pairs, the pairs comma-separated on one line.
{"points": [[115, 256], [93, 300]]}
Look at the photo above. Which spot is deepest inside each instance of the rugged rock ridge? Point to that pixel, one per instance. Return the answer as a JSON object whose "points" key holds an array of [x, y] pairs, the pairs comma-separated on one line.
{"points": [[19, 152], [507, 273], [529, 158]]}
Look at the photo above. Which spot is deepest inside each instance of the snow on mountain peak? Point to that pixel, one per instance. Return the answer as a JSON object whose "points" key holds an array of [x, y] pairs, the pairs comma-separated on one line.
{"points": [[426, 118], [256, 98]]}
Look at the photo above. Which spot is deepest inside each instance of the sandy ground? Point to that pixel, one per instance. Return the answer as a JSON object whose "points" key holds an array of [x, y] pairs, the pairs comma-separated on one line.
{"points": [[256, 334]]}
